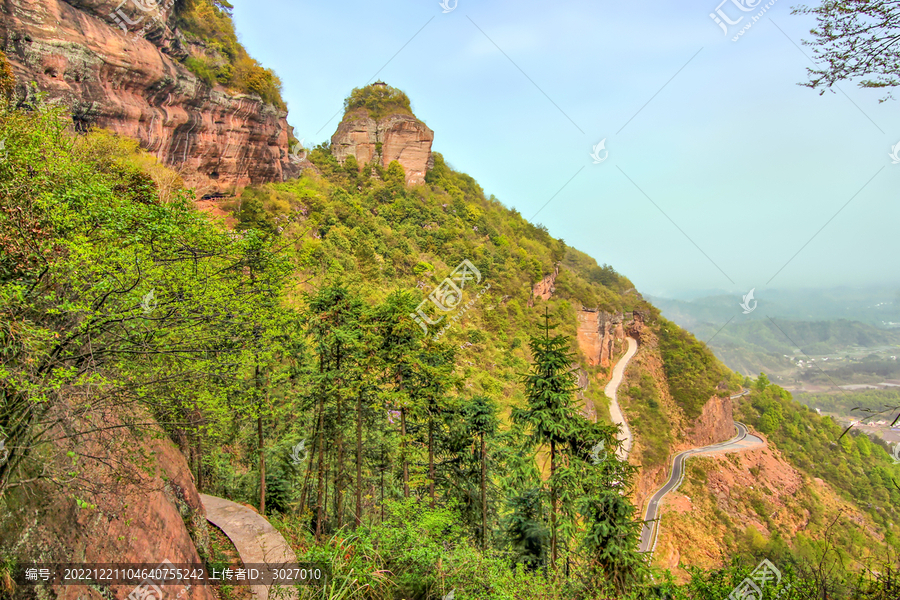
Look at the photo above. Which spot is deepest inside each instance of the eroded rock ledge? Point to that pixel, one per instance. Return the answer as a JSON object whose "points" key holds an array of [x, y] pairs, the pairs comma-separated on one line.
{"points": [[135, 86], [399, 137]]}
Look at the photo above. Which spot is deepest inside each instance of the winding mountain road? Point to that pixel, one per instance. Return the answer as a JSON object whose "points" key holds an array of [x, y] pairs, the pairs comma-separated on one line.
{"points": [[744, 440], [615, 412]]}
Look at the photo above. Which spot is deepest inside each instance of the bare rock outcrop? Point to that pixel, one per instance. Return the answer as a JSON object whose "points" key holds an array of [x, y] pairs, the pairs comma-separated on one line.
{"points": [[142, 508], [399, 137], [599, 332], [135, 86], [715, 423], [544, 288], [588, 335]]}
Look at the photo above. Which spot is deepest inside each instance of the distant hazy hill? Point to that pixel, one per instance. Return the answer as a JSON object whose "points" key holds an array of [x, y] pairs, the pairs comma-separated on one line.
{"points": [[879, 307], [821, 323]]}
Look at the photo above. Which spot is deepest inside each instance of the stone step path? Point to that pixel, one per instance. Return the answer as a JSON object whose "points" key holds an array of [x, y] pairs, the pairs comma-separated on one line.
{"points": [[254, 538]]}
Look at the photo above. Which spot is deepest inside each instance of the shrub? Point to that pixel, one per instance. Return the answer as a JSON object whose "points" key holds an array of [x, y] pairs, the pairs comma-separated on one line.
{"points": [[378, 100], [227, 61], [7, 79]]}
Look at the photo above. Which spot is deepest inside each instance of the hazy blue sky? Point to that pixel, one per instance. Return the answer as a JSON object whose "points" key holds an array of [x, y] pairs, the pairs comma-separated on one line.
{"points": [[744, 166]]}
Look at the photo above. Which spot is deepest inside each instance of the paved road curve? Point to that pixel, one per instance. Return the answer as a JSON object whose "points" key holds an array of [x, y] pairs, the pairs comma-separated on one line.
{"points": [[252, 535], [742, 441], [615, 412]]}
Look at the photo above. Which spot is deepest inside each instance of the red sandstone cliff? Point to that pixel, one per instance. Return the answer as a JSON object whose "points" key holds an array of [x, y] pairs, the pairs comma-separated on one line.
{"points": [[599, 332], [136, 86], [544, 288], [715, 423], [399, 137], [143, 508]]}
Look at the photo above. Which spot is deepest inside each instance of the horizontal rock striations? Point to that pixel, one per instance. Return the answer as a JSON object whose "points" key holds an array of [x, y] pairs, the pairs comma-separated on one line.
{"points": [[135, 86], [399, 137]]}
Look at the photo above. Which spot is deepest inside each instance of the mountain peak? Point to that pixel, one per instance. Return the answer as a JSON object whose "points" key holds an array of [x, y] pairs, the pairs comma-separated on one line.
{"points": [[378, 100], [379, 128]]}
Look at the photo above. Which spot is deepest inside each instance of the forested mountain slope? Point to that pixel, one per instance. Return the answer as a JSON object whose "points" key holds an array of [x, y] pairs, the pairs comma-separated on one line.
{"points": [[386, 371]]}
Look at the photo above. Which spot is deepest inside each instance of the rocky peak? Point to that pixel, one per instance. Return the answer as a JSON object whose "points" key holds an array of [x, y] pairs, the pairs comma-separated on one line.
{"points": [[379, 127]]}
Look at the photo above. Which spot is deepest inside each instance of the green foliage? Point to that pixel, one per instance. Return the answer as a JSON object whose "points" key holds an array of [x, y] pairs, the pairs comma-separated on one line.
{"points": [[869, 402], [200, 67], [7, 79], [252, 215], [123, 300], [225, 60], [116, 305], [856, 466], [649, 421], [692, 370], [849, 42], [394, 174], [577, 488], [379, 100]]}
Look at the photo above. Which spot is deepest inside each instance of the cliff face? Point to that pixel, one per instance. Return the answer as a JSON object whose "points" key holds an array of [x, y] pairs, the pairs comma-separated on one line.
{"points": [[135, 86], [400, 137], [146, 510], [544, 288], [715, 423], [598, 334]]}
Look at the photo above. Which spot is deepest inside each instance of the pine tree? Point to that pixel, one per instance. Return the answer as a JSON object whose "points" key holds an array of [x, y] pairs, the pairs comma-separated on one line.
{"points": [[481, 418], [333, 320], [399, 344], [433, 375], [550, 418]]}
